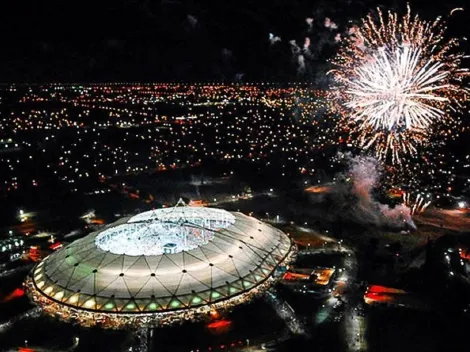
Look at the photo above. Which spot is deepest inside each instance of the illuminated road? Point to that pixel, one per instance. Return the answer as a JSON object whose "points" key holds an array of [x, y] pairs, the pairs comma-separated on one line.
{"points": [[32, 313], [354, 322], [346, 289], [16, 270], [286, 313], [448, 219], [355, 328], [41, 349]]}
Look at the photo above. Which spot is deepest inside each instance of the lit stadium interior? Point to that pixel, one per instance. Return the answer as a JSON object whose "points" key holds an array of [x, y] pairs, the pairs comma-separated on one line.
{"points": [[164, 231]]}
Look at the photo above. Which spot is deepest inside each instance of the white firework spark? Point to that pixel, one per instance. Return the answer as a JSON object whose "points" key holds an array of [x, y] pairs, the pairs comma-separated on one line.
{"points": [[417, 205], [394, 90], [397, 78]]}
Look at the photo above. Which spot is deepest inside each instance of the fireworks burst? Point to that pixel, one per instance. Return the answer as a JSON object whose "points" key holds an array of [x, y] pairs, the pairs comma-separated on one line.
{"points": [[417, 205], [397, 77], [391, 144], [393, 91]]}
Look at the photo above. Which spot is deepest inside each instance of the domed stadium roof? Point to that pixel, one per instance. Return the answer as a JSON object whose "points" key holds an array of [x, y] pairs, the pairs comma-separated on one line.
{"points": [[163, 260]]}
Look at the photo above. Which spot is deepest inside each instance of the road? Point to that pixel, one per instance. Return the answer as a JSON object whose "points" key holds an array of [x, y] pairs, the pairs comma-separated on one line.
{"points": [[355, 323], [32, 313], [345, 287], [286, 313], [19, 269]]}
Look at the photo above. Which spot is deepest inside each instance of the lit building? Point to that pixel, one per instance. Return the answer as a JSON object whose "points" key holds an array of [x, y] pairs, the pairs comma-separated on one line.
{"points": [[160, 267]]}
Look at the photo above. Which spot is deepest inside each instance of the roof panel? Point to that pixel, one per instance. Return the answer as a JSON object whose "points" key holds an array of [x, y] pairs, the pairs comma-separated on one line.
{"points": [[152, 287], [189, 284]]}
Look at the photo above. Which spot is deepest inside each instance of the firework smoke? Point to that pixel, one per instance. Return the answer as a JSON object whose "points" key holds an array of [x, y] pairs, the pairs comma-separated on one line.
{"points": [[330, 24], [307, 44], [295, 49], [357, 199], [192, 21], [273, 39], [298, 56], [306, 56], [309, 21], [301, 64]]}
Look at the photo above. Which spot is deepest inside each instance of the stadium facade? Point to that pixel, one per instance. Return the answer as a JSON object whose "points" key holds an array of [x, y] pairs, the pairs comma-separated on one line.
{"points": [[161, 267]]}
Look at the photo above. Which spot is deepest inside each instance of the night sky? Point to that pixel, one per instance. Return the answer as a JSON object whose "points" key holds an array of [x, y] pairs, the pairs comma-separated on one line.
{"points": [[177, 40]]}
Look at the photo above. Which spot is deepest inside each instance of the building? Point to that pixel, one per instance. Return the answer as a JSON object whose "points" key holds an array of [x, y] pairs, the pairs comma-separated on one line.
{"points": [[160, 267]]}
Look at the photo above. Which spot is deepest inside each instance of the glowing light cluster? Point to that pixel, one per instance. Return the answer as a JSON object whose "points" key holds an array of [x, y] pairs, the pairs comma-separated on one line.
{"points": [[397, 77]]}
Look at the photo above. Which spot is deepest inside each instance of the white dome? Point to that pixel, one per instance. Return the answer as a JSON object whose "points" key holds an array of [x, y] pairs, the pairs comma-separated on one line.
{"points": [[215, 255]]}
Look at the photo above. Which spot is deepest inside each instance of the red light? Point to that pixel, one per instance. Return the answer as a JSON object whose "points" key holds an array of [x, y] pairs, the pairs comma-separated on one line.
{"points": [[219, 324], [17, 293], [55, 246]]}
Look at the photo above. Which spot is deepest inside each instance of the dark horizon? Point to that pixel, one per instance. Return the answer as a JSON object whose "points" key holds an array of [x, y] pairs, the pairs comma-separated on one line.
{"points": [[172, 40]]}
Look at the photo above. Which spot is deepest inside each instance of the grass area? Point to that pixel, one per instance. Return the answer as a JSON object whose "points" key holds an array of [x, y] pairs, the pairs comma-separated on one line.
{"points": [[306, 236]]}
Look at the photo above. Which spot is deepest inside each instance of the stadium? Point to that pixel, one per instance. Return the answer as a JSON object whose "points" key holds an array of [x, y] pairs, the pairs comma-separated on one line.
{"points": [[160, 268]]}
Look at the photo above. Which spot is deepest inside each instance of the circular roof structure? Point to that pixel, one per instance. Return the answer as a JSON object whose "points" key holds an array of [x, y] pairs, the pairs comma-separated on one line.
{"points": [[162, 260]]}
